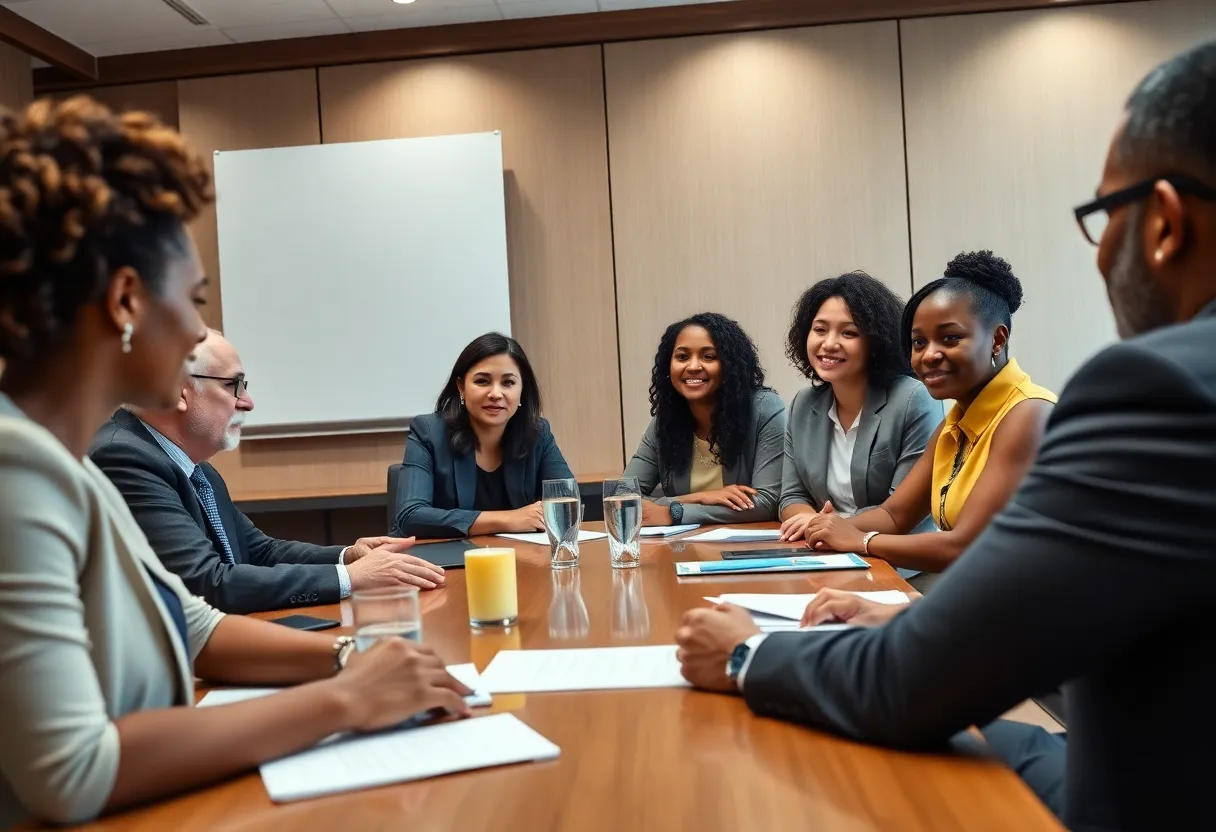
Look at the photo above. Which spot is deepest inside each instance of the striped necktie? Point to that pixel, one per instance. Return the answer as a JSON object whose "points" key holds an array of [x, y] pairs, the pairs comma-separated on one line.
{"points": [[206, 496]]}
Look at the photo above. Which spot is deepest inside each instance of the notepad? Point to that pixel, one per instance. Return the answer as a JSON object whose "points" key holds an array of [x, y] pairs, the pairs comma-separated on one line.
{"points": [[543, 538], [791, 605], [667, 531], [726, 534], [464, 673], [363, 762], [796, 564], [592, 668]]}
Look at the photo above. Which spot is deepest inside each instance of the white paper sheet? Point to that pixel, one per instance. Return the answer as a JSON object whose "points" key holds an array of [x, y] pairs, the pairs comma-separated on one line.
{"points": [[778, 624], [727, 534], [667, 531], [542, 538], [791, 606], [466, 673], [593, 668], [362, 762]]}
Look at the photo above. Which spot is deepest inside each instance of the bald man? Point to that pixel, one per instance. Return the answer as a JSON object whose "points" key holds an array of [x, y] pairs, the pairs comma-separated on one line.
{"points": [[158, 460]]}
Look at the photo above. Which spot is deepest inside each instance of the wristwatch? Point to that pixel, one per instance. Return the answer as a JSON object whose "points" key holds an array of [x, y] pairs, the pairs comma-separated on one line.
{"points": [[677, 513], [738, 658], [343, 647]]}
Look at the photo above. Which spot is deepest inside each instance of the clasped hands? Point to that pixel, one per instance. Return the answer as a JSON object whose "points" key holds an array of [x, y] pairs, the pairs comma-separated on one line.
{"points": [[824, 530]]}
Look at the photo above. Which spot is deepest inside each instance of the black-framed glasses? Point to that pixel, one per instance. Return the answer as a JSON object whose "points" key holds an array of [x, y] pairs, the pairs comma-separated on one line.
{"points": [[1093, 216], [237, 383]]}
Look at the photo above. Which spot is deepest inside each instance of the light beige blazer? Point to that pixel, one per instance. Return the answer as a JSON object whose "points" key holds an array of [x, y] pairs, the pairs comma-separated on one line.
{"points": [[84, 634]]}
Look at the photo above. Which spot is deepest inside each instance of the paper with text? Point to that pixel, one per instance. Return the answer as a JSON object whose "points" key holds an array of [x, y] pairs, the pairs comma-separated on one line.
{"points": [[726, 534], [793, 605], [592, 668], [363, 762]]}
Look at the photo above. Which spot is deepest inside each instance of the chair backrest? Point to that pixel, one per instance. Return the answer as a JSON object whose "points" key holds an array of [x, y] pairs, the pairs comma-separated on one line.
{"points": [[394, 480]]}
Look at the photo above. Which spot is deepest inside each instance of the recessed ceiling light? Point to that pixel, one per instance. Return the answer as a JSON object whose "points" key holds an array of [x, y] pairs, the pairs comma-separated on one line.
{"points": [[403, 2]]}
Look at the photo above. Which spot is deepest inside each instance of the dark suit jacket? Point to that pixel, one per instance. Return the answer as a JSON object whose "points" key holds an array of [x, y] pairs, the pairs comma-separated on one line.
{"points": [[1098, 575], [436, 496], [269, 574]]}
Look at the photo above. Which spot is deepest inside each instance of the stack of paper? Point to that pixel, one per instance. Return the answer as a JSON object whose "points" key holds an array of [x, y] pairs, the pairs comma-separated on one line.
{"points": [[667, 531], [597, 668], [727, 534], [801, 563], [362, 762], [543, 538]]}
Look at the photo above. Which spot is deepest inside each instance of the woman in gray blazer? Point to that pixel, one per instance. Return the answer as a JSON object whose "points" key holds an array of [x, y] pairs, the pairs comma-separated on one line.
{"points": [[712, 453], [99, 643], [856, 432]]}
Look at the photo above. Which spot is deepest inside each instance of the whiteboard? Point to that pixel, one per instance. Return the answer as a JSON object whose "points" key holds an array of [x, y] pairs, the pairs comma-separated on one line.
{"points": [[355, 273]]}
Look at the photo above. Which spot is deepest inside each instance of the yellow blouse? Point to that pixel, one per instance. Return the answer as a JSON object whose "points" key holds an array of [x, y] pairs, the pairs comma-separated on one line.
{"points": [[957, 465], [706, 473]]}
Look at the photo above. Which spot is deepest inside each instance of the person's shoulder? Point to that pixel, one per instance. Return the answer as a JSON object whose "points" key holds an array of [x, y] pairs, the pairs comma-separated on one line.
{"points": [[117, 434], [1175, 361], [908, 393], [34, 464], [809, 398], [428, 427], [767, 403]]}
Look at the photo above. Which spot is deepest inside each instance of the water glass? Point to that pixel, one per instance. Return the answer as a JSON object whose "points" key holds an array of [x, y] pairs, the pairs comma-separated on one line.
{"points": [[384, 613], [489, 577], [623, 521], [563, 512]]}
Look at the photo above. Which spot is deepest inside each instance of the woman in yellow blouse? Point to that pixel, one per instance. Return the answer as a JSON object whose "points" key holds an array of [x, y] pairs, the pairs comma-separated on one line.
{"points": [[957, 332]]}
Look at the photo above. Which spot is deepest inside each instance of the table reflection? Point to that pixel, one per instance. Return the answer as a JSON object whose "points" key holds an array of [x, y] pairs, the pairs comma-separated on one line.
{"points": [[630, 616], [568, 611]]}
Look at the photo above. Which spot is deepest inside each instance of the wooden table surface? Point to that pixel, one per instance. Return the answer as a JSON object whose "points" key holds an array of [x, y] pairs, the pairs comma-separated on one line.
{"points": [[670, 759]]}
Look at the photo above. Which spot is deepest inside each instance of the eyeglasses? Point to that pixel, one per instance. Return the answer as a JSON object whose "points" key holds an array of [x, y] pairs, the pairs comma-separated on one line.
{"points": [[1094, 216], [237, 382]]}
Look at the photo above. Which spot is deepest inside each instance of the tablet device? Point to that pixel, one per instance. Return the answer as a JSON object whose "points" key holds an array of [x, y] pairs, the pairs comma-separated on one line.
{"points": [[787, 552], [447, 553], [305, 622]]}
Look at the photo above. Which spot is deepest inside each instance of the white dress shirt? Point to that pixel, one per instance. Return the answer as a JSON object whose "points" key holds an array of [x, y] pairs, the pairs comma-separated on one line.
{"points": [[840, 462]]}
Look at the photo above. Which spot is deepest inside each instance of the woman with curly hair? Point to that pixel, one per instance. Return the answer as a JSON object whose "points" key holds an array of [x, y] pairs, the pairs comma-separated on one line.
{"points": [[956, 332], [99, 643], [856, 432], [714, 446]]}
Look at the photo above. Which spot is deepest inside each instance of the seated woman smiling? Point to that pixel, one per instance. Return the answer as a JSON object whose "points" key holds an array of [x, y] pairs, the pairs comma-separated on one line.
{"points": [[957, 332], [714, 447]]}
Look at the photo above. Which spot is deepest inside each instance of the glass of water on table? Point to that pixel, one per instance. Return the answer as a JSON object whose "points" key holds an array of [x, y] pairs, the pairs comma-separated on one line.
{"points": [[563, 512], [623, 520], [386, 612]]}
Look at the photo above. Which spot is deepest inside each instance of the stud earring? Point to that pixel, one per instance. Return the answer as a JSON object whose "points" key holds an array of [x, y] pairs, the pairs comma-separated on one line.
{"points": [[127, 332], [1160, 255]]}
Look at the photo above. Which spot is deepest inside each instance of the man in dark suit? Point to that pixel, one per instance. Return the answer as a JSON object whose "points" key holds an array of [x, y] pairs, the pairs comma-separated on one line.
{"points": [[1100, 574], [158, 460]]}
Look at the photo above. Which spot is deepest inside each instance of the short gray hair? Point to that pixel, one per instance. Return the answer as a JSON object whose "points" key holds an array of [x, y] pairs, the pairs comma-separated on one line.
{"points": [[199, 361]]}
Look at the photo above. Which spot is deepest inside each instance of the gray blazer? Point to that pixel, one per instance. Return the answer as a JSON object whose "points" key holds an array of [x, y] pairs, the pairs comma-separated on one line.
{"points": [[1097, 575], [896, 423], [85, 635], [759, 467]]}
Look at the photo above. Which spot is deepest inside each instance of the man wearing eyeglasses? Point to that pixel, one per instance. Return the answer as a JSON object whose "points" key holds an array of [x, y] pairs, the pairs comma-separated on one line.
{"points": [[1100, 573], [158, 461]]}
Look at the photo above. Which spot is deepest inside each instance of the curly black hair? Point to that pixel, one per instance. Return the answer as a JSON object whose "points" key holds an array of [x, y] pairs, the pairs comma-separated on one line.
{"points": [[742, 376], [875, 309], [83, 193], [989, 282]]}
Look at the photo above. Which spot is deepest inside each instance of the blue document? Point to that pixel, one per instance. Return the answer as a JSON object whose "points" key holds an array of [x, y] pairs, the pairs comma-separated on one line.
{"points": [[795, 564]]}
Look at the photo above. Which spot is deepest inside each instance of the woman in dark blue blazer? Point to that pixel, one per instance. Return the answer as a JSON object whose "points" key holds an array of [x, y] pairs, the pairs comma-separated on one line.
{"points": [[476, 464]]}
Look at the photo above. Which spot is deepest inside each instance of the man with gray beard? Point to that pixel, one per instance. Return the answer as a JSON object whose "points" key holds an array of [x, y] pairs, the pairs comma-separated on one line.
{"points": [[158, 461], [1099, 574]]}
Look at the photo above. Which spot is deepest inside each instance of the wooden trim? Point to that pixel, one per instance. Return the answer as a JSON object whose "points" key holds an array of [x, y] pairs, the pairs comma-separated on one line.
{"points": [[72, 61], [509, 35]]}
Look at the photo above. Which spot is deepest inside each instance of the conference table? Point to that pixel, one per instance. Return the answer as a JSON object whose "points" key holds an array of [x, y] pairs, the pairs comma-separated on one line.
{"points": [[668, 759]]}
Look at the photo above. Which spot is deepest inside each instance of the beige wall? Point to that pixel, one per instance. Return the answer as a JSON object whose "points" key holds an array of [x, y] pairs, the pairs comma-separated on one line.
{"points": [[744, 168], [16, 77], [728, 173], [1008, 121]]}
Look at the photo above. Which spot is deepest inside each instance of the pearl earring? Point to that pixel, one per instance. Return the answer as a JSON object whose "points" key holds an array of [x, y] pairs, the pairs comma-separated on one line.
{"points": [[462, 401], [994, 361], [1160, 255], [127, 332]]}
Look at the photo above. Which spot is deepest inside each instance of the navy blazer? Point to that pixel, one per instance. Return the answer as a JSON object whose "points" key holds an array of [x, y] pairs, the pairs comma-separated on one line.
{"points": [[439, 489]]}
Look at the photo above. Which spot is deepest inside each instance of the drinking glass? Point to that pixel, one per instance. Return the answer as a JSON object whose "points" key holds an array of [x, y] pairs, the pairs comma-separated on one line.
{"points": [[386, 612], [623, 520], [563, 511], [489, 576]]}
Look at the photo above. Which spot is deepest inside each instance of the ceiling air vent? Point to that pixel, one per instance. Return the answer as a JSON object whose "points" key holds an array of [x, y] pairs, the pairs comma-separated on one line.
{"points": [[183, 8]]}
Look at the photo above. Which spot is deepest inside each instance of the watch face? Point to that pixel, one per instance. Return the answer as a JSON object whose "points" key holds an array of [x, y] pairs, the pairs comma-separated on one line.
{"points": [[737, 657]]}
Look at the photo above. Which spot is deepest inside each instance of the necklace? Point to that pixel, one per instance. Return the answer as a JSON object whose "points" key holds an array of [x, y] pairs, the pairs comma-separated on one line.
{"points": [[696, 447]]}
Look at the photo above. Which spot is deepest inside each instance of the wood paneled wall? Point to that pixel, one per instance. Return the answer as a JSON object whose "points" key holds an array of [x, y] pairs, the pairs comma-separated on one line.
{"points": [[16, 77], [745, 168], [1009, 117], [727, 172], [549, 105]]}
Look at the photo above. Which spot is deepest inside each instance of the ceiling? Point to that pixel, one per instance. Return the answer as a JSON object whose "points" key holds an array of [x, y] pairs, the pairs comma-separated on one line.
{"points": [[119, 27]]}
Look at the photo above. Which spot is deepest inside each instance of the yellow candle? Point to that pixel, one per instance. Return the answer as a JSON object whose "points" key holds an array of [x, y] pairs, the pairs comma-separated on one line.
{"points": [[489, 575]]}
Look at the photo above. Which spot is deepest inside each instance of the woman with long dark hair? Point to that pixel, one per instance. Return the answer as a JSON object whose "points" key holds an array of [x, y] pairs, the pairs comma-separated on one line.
{"points": [[714, 447], [856, 432], [956, 329], [476, 464]]}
